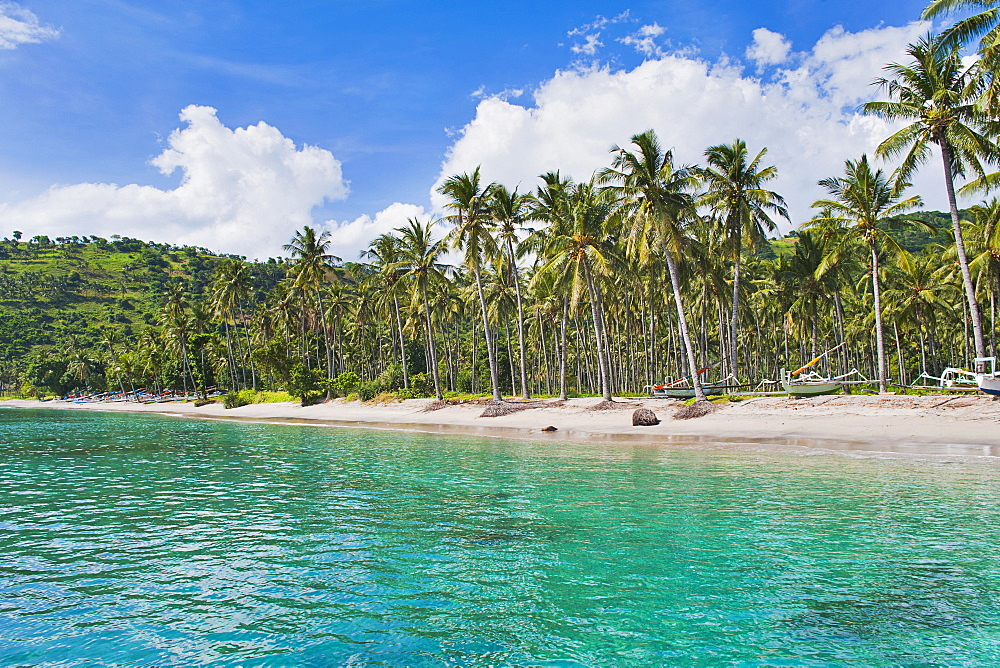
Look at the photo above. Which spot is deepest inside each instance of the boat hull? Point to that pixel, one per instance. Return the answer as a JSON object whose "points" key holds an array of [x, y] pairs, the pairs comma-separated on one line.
{"points": [[687, 392], [811, 389], [990, 385]]}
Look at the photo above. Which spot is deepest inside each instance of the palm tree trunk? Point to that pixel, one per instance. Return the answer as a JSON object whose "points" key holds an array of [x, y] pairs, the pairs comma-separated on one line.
{"points": [[520, 323], [879, 340], [326, 336], [402, 343], [699, 393], [430, 345], [735, 315], [602, 358], [963, 260], [563, 391], [490, 344]]}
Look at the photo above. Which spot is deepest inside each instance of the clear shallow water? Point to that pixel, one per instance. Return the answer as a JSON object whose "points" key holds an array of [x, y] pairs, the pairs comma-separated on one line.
{"points": [[130, 539]]}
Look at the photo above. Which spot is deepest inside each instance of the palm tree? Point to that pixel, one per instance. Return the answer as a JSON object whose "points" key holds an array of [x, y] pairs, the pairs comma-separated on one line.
{"points": [[861, 204], [419, 257], [984, 25], [656, 204], [313, 263], [932, 95], [580, 254], [509, 210], [472, 234], [736, 194], [385, 251]]}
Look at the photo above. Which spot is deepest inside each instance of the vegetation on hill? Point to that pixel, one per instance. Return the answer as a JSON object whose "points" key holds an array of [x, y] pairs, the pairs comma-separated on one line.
{"points": [[647, 271]]}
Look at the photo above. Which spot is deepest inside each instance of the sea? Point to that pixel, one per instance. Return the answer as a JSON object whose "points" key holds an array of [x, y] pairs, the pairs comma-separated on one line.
{"points": [[146, 540]]}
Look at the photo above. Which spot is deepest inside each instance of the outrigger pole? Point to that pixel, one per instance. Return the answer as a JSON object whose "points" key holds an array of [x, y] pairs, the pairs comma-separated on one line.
{"points": [[690, 376], [801, 369]]}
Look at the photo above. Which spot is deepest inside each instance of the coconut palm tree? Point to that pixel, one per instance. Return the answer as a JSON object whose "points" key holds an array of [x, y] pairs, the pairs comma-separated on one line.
{"points": [[656, 205], [581, 253], [861, 205], [932, 96], [385, 251], [469, 199], [735, 194], [312, 265], [420, 257], [509, 210]]}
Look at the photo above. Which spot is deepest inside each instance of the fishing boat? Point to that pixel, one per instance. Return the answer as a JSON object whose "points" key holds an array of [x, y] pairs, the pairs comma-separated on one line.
{"points": [[683, 389], [952, 379], [809, 385], [986, 375], [687, 392]]}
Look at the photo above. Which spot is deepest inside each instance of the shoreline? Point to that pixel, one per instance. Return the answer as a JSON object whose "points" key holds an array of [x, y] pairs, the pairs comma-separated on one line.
{"points": [[950, 426]]}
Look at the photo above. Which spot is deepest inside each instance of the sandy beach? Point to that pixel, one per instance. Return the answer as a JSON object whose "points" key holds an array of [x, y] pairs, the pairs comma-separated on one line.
{"points": [[954, 426]]}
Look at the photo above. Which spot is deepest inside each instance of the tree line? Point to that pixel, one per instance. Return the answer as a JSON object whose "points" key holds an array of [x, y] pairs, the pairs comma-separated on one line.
{"points": [[648, 270]]}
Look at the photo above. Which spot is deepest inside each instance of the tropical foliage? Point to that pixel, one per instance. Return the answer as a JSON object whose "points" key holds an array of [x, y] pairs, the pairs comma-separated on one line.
{"points": [[647, 270]]}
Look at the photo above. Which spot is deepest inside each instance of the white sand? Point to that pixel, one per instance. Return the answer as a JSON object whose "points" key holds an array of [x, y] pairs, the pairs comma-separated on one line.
{"points": [[959, 426]]}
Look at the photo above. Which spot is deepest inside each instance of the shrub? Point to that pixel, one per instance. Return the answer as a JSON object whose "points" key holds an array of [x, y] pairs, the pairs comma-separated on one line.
{"points": [[353, 396], [346, 383], [386, 398], [369, 389], [392, 377], [305, 383], [234, 399], [407, 393], [422, 383]]}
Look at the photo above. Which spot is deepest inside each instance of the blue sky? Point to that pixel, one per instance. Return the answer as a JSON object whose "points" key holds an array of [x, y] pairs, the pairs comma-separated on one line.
{"points": [[90, 92]]}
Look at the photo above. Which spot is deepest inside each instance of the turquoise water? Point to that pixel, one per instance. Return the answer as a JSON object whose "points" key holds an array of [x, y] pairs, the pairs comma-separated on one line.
{"points": [[147, 540]]}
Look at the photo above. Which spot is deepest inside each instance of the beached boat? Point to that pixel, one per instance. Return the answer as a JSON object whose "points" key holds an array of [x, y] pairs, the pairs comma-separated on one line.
{"points": [[986, 375], [809, 385], [687, 392]]}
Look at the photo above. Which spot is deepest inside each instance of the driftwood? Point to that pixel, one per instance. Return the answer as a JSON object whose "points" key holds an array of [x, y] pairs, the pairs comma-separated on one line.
{"points": [[695, 410], [643, 417], [549, 428]]}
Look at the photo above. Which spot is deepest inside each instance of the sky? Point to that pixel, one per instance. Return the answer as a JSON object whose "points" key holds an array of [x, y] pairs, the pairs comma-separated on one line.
{"points": [[230, 125]]}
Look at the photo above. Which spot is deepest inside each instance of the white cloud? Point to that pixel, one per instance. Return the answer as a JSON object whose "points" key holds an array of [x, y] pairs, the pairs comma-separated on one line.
{"points": [[644, 40], [590, 45], [349, 238], [242, 191], [806, 116], [20, 26], [768, 48]]}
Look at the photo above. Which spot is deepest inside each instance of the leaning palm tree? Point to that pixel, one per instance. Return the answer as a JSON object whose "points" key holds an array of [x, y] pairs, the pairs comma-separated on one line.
{"points": [[312, 263], [469, 199], [931, 95], [656, 205], [735, 193], [861, 205]]}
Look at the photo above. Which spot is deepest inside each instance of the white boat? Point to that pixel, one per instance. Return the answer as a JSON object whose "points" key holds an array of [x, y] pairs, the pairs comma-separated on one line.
{"points": [[986, 375]]}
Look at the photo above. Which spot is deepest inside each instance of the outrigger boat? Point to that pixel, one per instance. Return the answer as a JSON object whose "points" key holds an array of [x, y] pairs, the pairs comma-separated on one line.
{"points": [[682, 389], [799, 384], [986, 375], [952, 379]]}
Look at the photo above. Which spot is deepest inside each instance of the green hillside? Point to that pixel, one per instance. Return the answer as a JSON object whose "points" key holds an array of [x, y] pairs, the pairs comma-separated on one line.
{"points": [[51, 289]]}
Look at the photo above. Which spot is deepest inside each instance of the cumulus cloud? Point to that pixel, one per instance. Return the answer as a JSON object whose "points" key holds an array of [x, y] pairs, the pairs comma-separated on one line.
{"points": [[768, 48], [242, 190], [20, 26], [349, 238], [805, 114]]}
